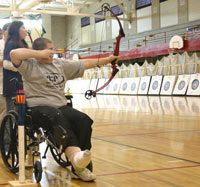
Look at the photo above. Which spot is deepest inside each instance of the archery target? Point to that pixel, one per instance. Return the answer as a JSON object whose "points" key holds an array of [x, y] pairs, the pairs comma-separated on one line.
{"points": [[194, 85], [168, 85], [144, 104], [181, 85], [100, 84], [167, 105], [155, 104], [107, 89], [180, 104], [156, 82], [194, 105], [144, 85], [116, 86], [124, 85], [130, 86]]}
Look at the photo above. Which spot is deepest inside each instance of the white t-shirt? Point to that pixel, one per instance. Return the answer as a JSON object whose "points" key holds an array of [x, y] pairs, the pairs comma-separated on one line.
{"points": [[2, 43]]}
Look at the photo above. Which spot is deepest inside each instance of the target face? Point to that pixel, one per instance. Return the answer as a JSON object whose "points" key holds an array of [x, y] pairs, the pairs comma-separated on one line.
{"points": [[107, 87], [181, 85], [124, 87], [167, 86], [133, 86], [115, 87], [195, 84], [144, 85], [155, 85]]}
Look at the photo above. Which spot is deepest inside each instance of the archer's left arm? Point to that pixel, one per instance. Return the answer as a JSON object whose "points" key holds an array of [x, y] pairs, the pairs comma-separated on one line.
{"points": [[92, 63]]}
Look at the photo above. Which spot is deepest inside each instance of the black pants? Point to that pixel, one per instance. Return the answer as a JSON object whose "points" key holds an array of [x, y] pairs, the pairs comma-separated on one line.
{"points": [[77, 124]]}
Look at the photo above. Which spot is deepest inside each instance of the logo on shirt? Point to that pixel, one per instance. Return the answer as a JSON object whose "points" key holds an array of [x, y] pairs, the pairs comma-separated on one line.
{"points": [[55, 79]]}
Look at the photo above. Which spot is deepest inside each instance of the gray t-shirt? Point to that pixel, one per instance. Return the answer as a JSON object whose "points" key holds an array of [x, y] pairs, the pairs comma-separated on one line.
{"points": [[44, 83]]}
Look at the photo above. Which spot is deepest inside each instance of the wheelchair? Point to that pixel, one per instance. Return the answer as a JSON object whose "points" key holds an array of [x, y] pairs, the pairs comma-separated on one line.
{"points": [[34, 135]]}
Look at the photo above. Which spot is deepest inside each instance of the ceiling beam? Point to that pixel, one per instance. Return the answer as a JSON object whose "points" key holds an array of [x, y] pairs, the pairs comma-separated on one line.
{"points": [[82, 6], [75, 14]]}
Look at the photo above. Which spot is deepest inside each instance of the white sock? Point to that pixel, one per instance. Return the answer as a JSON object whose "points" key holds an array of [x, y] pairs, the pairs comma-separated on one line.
{"points": [[79, 159]]}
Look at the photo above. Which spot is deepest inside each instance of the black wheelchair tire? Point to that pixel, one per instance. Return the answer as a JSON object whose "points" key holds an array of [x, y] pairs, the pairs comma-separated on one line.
{"points": [[37, 171], [60, 157], [9, 142]]}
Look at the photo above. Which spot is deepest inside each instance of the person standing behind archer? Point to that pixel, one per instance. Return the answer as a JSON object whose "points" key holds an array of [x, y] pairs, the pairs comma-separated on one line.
{"points": [[2, 99], [16, 39]]}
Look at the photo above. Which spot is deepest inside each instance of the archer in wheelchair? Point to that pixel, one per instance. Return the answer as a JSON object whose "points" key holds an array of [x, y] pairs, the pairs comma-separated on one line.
{"points": [[62, 126]]}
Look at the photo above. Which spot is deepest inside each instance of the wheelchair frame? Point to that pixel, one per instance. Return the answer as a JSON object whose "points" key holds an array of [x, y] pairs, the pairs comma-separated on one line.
{"points": [[33, 137]]}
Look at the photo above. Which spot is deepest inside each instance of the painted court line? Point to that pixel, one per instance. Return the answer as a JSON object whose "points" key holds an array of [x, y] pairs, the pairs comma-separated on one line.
{"points": [[150, 151], [148, 170]]}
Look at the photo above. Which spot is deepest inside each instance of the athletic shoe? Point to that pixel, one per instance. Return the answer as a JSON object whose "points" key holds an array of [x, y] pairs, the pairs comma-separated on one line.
{"points": [[83, 174]]}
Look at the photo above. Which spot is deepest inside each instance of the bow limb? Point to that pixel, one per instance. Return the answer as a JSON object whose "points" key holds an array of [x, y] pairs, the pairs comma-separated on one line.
{"points": [[121, 34]]}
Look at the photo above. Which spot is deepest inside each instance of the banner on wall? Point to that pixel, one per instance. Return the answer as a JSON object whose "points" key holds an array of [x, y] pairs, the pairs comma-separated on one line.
{"points": [[168, 85], [130, 85], [194, 87], [144, 85], [181, 85], [155, 86]]}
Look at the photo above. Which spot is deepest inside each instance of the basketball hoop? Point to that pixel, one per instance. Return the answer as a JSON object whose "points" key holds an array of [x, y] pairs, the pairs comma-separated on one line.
{"points": [[176, 42]]}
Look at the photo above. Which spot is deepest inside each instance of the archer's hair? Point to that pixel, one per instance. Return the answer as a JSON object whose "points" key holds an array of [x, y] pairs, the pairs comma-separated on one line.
{"points": [[13, 34], [40, 43]]}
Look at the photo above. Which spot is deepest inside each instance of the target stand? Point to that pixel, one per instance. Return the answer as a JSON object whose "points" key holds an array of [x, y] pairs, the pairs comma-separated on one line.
{"points": [[20, 101]]}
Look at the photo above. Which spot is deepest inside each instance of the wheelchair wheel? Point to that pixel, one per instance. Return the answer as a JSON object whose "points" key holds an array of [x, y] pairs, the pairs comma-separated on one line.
{"points": [[9, 142], [60, 157], [38, 171]]}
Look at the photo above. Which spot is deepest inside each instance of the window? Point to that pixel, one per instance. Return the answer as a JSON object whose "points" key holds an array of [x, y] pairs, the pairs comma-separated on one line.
{"points": [[144, 3], [99, 19], [117, 10], [85, 21]]}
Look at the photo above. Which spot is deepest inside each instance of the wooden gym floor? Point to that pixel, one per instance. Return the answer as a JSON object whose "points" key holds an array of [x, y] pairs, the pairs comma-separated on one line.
{"points": [[138, 141]]}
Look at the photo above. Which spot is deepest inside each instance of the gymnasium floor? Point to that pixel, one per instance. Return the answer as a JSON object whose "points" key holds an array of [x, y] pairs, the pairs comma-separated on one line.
{"points": [[138, 141]]}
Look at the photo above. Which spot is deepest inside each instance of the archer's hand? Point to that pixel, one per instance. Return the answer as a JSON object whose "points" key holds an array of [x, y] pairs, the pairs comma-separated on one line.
{"points": [[112, 58], [47, 56]]}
